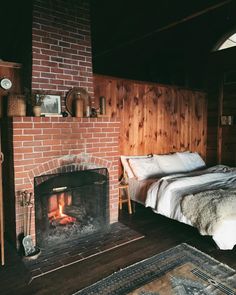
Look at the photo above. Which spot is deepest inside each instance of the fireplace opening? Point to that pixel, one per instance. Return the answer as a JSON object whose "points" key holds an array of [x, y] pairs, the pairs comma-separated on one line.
{"points": [[70, 205]]}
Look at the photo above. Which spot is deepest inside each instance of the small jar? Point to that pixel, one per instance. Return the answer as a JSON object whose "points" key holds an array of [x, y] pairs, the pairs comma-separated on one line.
{"points": [[37, 111], [102, 105]]}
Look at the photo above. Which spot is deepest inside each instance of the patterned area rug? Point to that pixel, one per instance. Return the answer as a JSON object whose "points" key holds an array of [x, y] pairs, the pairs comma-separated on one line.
{"points": [[182, 270]]}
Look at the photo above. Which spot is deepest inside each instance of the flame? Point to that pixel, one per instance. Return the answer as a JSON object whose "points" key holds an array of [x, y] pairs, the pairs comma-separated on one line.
{"points": [[61, 214], [58, 213], [64, 218]]}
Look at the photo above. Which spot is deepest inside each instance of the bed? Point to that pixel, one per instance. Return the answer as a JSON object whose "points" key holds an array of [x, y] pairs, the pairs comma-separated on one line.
{"points": [[181, 187]]}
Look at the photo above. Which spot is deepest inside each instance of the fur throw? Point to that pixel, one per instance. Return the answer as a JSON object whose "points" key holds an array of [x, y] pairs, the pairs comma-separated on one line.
{"points": [[206, 210]]}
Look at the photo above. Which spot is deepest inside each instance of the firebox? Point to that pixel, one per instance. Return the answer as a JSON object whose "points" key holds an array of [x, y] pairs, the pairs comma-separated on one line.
{"points": [[70, 205]]}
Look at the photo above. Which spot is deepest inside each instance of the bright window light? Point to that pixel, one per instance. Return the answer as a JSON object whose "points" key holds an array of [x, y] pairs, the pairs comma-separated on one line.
{"points": [[230, 42]]}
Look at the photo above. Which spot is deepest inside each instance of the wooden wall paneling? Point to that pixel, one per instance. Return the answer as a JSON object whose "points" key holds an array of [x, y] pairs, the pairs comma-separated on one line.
{"points": [[155, 118]]}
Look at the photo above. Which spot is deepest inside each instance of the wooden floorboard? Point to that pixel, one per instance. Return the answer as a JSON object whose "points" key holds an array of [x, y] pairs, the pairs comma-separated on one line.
{"points": [[160, 235]]}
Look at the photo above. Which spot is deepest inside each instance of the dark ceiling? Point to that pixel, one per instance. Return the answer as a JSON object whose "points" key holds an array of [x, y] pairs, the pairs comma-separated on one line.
{"points": [[166, 41], [15, 22]]}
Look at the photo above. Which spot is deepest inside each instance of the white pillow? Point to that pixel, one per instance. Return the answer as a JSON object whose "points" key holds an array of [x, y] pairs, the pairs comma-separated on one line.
{"points": [[126, 165], [145, 168], [192, 161], [170, 163]]}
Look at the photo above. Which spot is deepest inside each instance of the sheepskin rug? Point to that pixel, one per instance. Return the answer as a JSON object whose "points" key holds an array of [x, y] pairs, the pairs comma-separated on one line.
{"points": [[206, 210]]}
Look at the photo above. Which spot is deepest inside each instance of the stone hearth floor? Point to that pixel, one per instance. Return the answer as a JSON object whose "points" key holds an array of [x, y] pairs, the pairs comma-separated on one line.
{"points": [[77, 250]]}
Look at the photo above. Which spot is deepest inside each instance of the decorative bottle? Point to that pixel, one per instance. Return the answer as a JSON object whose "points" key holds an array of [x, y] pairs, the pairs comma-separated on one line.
{"points": [[79, 106]]}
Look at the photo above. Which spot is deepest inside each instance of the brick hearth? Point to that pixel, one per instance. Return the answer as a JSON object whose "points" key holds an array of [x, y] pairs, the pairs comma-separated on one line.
{"points": [[50, 145]]}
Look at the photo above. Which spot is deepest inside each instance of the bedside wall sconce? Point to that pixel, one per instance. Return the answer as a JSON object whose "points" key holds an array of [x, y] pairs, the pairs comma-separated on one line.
{"points": [[227, 120]]}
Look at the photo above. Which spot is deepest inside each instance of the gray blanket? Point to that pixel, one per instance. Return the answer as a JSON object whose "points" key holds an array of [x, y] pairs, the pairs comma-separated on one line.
{"points": [[206, 210]]}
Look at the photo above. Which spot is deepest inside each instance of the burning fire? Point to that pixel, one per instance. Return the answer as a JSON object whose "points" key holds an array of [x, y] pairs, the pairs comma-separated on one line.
{"points": [[57, 214], [64, 218]]}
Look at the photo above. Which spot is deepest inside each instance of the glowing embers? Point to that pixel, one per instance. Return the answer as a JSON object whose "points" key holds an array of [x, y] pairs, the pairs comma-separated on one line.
{"points": [[57, 205]]}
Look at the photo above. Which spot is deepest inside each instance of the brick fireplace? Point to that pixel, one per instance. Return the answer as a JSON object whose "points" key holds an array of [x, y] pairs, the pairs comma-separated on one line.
{"points": [[43, 146], [60, 59]]}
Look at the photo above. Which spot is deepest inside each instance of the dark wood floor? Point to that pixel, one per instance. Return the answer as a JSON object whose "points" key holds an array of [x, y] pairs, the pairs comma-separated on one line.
{"points": [[160, 234]]}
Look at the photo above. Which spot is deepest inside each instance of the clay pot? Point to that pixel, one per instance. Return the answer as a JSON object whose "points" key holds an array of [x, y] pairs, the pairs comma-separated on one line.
{"points": [[37, 111]]}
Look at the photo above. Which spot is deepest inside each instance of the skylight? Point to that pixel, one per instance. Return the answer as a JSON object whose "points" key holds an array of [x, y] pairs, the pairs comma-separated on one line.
{"points": [[230, 42]]}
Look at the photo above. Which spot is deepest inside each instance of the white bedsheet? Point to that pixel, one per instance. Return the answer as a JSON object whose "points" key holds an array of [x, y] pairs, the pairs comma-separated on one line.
{"points": [[164, 197]]}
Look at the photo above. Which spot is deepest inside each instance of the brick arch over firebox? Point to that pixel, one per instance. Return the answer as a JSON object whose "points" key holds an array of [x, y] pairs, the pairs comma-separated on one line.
{"points": [[68, 164]]}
